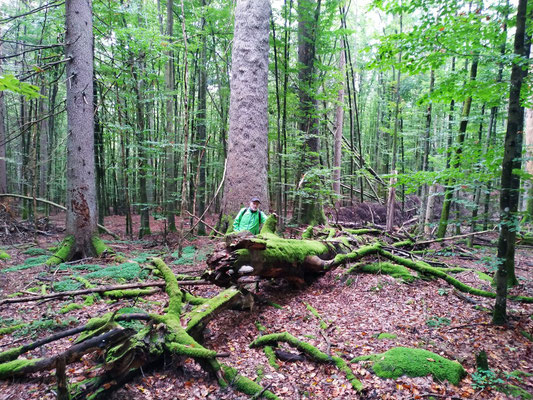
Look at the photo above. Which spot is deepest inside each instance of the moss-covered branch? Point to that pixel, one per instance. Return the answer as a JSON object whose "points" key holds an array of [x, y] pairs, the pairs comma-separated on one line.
{"points": [[311, 351], [425, 268]]}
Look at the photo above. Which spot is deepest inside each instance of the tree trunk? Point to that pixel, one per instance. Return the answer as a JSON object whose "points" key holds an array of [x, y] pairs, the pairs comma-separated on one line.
{"points": [[456, 163], [528, 184], [81, 217], [248, 132], [510, 183], [170, 167], [339, 123], [3, 115], [310, 211]]}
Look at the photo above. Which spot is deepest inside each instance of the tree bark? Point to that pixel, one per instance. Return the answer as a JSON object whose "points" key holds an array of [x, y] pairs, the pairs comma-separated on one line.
{"points": [[81, 217], [248, 125], [339, 123], [510, 182], [3, 115]]}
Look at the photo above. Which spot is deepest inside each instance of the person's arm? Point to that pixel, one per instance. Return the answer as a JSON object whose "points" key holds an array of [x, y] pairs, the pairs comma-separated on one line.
{"points": [[237, 220], [263, 217]]}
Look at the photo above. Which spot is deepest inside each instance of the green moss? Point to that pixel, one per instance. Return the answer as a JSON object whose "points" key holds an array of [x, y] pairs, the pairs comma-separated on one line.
{"points": [[271, 357], [36, 251], [400, 361], [100, 247], [66, 285], [12, 368], [527, 335], [86, 284], [122, 294], [194, 300], [89, 300], [127, 271], [292, 251], [28, 263], [313, 311], [515, 391], [356, 254], [311, 351], [172, 287], [71, 307], [308, 233], [260, 372], [187, 256], [270, 225], [96, 326], [10, 329], [4, 255], [195, 352], [80, 267], [245, 385], [394, 270], [386, 335], [425, 268], [403, 243], [63, 252], [195, 316], [11, 354], [484, 277], [363, 231]]}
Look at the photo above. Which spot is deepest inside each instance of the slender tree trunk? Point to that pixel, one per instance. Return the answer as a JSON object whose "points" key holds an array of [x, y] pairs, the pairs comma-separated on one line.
{"points": [[201, 127], [456, 163], [3, 116], [528, 184], [339, 123], [510, 183], [170, 167], [426, 153], [248, 133], [81, 221]]}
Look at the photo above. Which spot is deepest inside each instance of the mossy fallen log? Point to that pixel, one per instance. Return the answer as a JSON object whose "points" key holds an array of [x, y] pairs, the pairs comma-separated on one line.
{"points": [[400, 361], [310, 351]]}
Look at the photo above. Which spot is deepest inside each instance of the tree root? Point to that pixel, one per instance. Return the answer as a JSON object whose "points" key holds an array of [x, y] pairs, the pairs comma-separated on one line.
{"points": [[312, 352]]}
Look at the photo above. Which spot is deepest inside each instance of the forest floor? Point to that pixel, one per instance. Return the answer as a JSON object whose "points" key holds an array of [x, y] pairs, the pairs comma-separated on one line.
{"points": [[356, 309]]}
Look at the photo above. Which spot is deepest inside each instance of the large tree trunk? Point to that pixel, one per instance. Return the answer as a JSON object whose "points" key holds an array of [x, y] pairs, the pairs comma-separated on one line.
{"points": [[81, 189], [510, 183], [309, 210], [248, 124]]}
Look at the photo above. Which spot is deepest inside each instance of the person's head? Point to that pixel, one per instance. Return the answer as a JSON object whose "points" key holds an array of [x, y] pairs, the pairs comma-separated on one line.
{"points": [[254, 203]]}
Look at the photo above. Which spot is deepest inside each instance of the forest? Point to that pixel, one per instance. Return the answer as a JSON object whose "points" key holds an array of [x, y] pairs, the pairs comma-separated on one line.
{"points": [[266, 199]]}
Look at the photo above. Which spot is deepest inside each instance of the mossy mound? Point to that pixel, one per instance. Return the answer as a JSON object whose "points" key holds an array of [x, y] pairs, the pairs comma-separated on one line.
{"points": [[4, 255], [400, 361], [394, 270]]}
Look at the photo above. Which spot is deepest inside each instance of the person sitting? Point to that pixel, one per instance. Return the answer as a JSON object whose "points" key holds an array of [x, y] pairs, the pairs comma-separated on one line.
{"points": [[250, 218]]}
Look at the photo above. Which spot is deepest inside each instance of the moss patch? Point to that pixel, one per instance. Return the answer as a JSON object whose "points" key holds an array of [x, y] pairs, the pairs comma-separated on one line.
{"points": [[28, 263], [63, 252], [4, 255], [36, 251], [400, 361], [127, 271], [394, 270], [386, 335], [245, 385]]}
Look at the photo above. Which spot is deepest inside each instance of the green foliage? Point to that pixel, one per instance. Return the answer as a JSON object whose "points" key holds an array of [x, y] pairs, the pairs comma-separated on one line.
{"points": [[136, 325], [42, 325], [28, 263], [483, 379], [127, 271], [10, 83], [4, 256], [187, 256], [394, 270], [386, 335], [437, 322], [66, 285]]}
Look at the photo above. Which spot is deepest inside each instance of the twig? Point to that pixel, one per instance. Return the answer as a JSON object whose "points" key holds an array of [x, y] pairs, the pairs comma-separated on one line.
{"points": [[213, 199], [206, 224]]}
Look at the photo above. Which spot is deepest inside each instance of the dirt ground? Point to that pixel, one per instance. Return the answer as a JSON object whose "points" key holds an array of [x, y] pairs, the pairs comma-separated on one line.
{"points": [[426, 314]]}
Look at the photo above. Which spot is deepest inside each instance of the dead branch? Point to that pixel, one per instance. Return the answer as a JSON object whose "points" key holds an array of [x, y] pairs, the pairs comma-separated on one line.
{"points": [[453, 237], [115, 236]]}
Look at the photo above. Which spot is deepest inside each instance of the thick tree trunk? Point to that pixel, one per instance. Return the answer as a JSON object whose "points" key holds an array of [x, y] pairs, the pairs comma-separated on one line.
{"points": [[309, 209], [248, 125], [81, 218], [510, 183]]}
